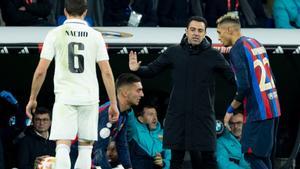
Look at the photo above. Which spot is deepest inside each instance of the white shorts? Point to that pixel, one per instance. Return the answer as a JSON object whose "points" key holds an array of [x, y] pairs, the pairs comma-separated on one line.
{"points": [[70, 120]]}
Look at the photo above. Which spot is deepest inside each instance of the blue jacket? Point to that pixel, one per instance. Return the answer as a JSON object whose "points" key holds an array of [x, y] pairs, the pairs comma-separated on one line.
{"points": [[117, 132], [229, 153], [286, 11], [145, 144]]}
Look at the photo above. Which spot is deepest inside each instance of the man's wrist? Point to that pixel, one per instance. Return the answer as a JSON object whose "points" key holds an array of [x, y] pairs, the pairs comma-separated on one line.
{"points": [[230, 109]]}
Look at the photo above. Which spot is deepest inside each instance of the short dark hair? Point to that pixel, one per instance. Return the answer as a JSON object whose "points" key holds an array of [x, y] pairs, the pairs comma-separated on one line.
{"points": [[198, 19], [126, 79], [42, 110], [147, 102], [229, 18], [76, 7], [148, 106]]}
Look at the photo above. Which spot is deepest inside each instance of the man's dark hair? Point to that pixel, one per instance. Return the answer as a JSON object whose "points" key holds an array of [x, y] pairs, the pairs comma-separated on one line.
{"points": [[148, 102], [126, 79], [148, 106], [198, 19], [76, 7], [42, 110]]}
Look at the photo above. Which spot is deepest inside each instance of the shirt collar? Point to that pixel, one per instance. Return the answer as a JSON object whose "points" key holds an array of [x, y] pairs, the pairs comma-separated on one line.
{"points": [[76, 21], [47, 136]]}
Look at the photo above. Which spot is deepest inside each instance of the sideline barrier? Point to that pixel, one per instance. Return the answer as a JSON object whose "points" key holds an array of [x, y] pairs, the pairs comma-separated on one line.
{"points": [[24, 40]]}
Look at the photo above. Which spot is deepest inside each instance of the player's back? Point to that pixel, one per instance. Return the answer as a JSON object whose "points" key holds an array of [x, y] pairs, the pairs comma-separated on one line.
{"points": [[77, 47], [262, 100]]}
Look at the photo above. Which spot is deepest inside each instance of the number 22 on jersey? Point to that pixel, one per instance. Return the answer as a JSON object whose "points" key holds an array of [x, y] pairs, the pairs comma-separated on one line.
{"points": [[262, 67]]}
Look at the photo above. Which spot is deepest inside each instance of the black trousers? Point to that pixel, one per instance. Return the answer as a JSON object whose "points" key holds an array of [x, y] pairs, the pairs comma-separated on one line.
{"points": [[199, 159]]}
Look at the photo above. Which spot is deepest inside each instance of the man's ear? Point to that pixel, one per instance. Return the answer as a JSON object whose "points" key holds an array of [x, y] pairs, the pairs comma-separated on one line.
{"points": [[123, 91], [65, 12], [141, 119], [84, 13]]}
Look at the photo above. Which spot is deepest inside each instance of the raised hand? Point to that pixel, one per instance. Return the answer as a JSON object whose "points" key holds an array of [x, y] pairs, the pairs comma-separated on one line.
{"points": [[134, 64]]}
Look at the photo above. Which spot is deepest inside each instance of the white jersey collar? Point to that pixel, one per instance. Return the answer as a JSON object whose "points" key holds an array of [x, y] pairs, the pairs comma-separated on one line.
{"points": [[76, 21]]}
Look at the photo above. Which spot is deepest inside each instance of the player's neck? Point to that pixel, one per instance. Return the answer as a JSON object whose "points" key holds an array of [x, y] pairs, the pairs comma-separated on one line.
{"points": [[236, 37], [75, 17], [123, 105]]}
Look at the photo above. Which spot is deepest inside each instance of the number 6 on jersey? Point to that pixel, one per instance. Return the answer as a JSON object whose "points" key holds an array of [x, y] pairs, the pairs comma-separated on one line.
{"points": [[76, 59]]}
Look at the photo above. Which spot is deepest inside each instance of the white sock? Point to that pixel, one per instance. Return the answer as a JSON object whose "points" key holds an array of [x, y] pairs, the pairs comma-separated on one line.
{"points": [[84, 159], [62, 156]]}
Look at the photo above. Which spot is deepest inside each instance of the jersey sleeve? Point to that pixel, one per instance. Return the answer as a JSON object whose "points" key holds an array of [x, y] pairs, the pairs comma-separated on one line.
{"points": [[102, 51], [238, 59], [48, 50]]}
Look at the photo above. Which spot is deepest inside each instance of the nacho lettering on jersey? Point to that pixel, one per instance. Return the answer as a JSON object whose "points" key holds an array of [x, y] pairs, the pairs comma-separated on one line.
{"points": [[262, 79]]}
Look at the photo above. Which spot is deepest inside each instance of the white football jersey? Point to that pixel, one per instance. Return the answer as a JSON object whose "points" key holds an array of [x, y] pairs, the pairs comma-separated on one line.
{"points": [[76, 48]]}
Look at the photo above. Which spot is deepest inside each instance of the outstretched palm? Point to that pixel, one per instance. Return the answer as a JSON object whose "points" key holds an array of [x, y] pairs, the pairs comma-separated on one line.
{"points": [[134, 65]]}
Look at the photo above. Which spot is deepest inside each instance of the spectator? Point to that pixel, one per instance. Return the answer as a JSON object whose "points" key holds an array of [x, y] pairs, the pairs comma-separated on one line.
{"points": [[129, 13], [36, 141], [286, 13], [260, 19], [145, 140], [216, 8], [11, 124], [112, 155], [95, 12], [94, 16], [229, 151], [129, 92], [175, 13], [11, 115], [26, 12]]}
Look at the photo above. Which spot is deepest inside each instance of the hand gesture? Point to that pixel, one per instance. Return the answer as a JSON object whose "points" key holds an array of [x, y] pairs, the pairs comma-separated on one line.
{"points": [[113, 113], [158, 160], [30, 108], [226, 120], [38, 161], [44, 162], [8, 97], [134, 65]]}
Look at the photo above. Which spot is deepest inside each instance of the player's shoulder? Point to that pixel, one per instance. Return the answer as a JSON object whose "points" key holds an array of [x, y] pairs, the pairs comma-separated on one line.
{"points": [[92, 30], [248, 40], [55, 31], [58, 28]]}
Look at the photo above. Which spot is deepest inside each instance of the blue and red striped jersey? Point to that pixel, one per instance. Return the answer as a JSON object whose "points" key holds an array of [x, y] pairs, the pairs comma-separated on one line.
{"points": [[254, 78]]}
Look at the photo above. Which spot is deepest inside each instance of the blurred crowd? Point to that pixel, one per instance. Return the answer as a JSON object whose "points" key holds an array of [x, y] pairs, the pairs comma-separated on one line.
{"points": [[152, 13]]}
